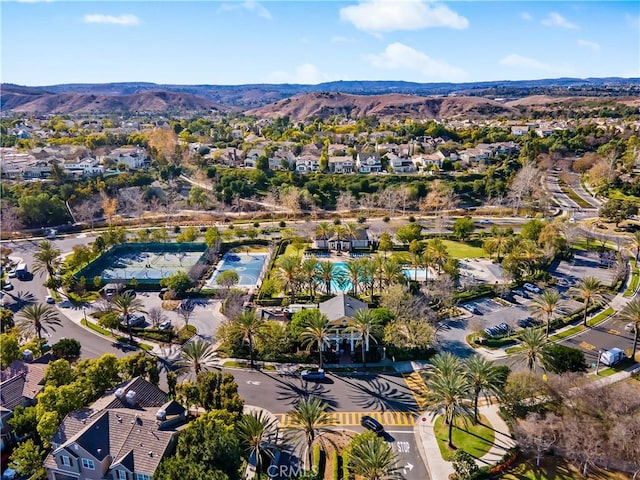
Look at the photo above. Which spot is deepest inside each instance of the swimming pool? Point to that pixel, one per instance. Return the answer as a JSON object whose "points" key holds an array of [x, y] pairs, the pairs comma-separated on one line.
{"points": [[247, 265], [341, 282]]}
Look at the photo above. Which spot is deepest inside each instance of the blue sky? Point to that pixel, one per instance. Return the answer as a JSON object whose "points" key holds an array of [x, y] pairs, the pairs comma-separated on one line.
{"points": [[240, 42]]}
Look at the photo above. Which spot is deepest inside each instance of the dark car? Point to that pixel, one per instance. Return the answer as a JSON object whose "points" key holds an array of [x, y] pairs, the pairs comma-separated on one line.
{"points": [[371, 423], [313, 374]]}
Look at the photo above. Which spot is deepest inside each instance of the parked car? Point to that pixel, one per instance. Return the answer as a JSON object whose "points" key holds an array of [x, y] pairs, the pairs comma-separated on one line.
{"points": [[8, 285], [166, 325], [134, 319], [531, 288], [9, 474], [371, 423], [473, 309], [12, 273], [162, 292], [49, 299], [313, 374], [630, 327]]}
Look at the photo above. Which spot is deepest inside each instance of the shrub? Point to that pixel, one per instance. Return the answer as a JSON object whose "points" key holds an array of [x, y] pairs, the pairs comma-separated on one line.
{"points": [[386, 219], [345, 464], [67, 348], [412, 219], [335, 465], [317, 453], [282, 224]]}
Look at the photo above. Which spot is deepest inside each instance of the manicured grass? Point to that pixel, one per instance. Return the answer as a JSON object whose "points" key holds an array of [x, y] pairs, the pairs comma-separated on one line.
{"points": [[555, 468], [635, 278], [292, 250], [605, 372], [465, 250], [473, 439], [95, 327], [236, 364], [569, 192], [600, 317], [566, 333]]}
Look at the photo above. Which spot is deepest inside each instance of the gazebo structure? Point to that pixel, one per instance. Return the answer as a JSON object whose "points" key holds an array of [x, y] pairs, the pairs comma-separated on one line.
{"points": [[339, 310]]}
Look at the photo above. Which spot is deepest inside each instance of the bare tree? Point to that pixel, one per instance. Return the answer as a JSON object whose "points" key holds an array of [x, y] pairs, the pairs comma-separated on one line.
{"points": [[157, 316], [538, 433], [584, 440], [9, 218], [389, 199], [524, 185], [345, 201], [85, 211]]}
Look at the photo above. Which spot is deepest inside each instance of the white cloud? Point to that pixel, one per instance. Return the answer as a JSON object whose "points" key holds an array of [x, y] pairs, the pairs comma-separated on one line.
{"points": [[341, 39], [518, 61], [398, 56], [526, 16], [126, 20], [387, 16], [306, 73], [250, 6], [589, 44], [633, 20], [556, 20]]}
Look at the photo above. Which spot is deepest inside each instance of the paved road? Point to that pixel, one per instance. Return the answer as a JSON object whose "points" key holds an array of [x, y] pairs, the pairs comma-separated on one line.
{"points": [[33, 291], [385, 397]]}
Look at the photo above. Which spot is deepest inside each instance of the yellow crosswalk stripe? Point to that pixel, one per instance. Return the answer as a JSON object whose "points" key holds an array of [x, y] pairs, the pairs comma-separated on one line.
{"points": [[613, 331], [352, 419], [587, 346], [418, 388]]}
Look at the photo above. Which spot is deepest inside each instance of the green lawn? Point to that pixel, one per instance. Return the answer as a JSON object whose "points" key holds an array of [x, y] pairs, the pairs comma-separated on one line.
{"points": [[465, 250], [473, 439], [601, 316], [635, 278], [292, 250], [569, 192]]}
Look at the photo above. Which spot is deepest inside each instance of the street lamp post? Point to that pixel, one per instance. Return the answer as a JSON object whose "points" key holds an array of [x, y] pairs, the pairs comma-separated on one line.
{"points": [[598, 361]]}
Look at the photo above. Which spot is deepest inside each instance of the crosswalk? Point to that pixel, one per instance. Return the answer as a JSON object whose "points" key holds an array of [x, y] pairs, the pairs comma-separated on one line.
{"points": [[418, 388], [352, 419]]}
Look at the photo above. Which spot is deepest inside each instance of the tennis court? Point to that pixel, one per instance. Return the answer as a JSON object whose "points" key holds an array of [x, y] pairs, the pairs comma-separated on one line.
{"points": [[146, 262], [248, 266]]}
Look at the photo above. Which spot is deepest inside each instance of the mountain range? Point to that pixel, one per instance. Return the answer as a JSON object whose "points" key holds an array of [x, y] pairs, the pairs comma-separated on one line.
{"points": [[351, 98]]}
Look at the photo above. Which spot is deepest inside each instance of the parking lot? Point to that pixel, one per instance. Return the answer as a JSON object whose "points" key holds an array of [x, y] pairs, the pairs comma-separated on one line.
{"points": [[586, 264]]}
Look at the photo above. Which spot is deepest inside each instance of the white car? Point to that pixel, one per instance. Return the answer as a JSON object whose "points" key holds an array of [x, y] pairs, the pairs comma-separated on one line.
{"points": [[8, 285], [531, 288], [630, 327]]}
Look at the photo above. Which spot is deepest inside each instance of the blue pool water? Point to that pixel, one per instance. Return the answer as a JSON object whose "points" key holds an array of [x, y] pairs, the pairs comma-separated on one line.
{"points": [[247, 265], [344, 285]]}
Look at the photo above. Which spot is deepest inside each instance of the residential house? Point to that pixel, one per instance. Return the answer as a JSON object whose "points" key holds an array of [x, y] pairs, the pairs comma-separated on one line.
{"points": [[282, 159], [252, 156], [20, 382], [519, 130], [339, 310], [124, 435], [132, 157], [86, 167], [428, 161], [367, 162], [341, 164], [307, 164], [400, 163]]}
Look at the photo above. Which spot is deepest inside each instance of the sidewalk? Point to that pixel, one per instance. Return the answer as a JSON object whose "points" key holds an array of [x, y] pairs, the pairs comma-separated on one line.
{"points": [[440, 469]]}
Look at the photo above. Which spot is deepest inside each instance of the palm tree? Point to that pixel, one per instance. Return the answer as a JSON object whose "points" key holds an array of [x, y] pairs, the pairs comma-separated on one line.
{"points": [[354, 272], [125, 304], [631, 313], [546, 305], [326, 271], [444, 364], [590, 289], [289, 273], [323, 231], [46, 258], [392, 272], [308, 271], [635, 242], [36, 318], [448, 395], [248, 325], [308, 419], [483, 377], [533, 342], [316, 331], [196, 355], [258, 435], [374, 459], [438, 251], [364, 323], [496, 243]]}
